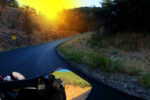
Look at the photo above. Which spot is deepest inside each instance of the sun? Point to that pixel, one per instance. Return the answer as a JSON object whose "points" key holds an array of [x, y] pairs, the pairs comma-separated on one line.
{"points": [[49, 8]]}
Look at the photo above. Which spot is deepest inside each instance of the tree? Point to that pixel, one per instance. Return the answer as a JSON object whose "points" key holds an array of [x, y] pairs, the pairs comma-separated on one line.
{"points": [[12, 3], [28, 24], [126, 15], [106, 2], [3, 3]]}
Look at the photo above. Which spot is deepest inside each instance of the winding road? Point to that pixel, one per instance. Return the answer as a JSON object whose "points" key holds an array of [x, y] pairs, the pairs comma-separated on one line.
{"points": [[34, 61]]}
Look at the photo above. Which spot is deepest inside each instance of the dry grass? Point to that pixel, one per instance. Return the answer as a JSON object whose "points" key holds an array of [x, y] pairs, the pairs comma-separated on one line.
{"points": [[131, 49], [130, 53]]}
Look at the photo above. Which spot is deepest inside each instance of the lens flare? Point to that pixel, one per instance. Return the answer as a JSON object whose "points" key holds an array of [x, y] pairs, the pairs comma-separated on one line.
{"points": [[49, 8]]}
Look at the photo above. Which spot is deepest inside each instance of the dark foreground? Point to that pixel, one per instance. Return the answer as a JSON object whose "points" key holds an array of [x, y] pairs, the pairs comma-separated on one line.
{"points": [[37, 60]]}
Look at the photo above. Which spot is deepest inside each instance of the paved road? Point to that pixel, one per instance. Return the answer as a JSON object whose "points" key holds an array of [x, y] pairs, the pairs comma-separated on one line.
{"points": [[36, 60]]}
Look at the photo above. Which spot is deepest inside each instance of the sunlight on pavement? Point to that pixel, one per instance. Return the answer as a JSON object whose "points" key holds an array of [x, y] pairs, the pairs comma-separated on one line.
{"points": [[76, 93]]}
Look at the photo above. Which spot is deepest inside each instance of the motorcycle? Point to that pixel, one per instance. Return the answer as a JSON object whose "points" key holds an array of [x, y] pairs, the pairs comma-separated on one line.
{"points": [[45, 87]]}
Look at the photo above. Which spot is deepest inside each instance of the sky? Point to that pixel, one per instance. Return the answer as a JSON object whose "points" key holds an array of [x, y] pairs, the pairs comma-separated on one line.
{"points": [[83, 3], [78, 3], [50, 8]]}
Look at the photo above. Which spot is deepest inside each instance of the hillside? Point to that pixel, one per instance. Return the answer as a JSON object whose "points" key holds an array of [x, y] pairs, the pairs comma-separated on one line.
{"points": [[120, 61], [11, 25], [28, 27]]}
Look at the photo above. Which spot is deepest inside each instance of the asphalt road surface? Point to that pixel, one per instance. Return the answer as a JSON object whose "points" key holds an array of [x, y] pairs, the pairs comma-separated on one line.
{"points": [[34, 61]]}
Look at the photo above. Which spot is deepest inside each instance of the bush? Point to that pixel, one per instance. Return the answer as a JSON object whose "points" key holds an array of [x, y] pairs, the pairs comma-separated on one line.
{"points": [[126, 15], [95, 60], [114, 52], [100, 40], [95, 42], [62, 49], [133, 70], [92, 59], [75, 56], [117, 66], [105, 64], [128, 44], [145, 80]]}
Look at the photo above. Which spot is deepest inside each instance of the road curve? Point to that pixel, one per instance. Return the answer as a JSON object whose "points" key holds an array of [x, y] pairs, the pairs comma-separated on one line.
{"points": [[34, 61]]}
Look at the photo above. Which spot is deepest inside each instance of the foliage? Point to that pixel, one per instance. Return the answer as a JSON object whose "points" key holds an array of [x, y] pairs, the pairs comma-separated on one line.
{"points": [[114, 52], [28, 25], [120, 41], [81, 20], [117, 66], [75, 56], [108, 59], [11, 3], [105, 64], [101, 40], [92, 59], [133, 70], [145, 80], [126, 15], [114, 16], [128, 45]]}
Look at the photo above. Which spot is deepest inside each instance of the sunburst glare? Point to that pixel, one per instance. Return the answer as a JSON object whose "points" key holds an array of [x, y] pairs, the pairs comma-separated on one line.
{"points": [[49, 8]]}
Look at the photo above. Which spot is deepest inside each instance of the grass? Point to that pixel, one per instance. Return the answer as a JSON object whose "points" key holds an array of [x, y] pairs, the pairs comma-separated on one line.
{"points": [[75, 56], [71, 54], [13, 48], [145, 80], [127, 54], [133, 70], [126, 41], [117, 66], [128, 45], [93, 59], [90, 56], [69, 78], [114, 52]]}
